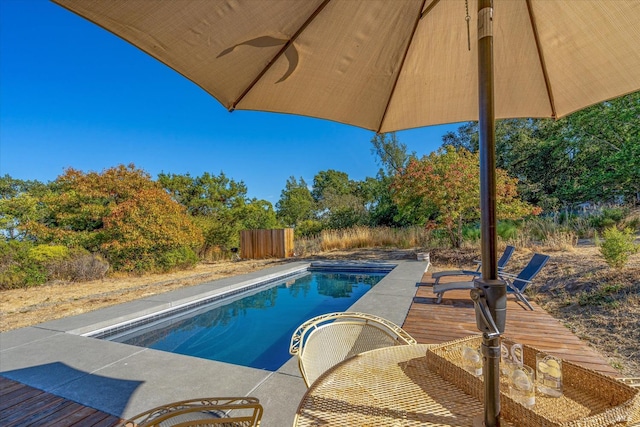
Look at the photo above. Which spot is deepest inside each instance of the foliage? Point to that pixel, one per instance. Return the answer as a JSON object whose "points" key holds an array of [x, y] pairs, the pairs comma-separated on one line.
{"points": [[308, 228], [445, 187], [120, 213], [47, 253], [24, 264], [617, 246], [18, 204], [393, 157], [608, 217], [296, 203], [204, 195], [140, 231], [507, 230], [180, 258], [391, 153], [591, 155], [219, 207], [16, 270], [471, 233]]}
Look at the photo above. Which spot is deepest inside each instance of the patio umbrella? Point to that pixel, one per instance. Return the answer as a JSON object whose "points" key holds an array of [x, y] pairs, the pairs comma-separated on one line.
{"points": [[389, 65]]}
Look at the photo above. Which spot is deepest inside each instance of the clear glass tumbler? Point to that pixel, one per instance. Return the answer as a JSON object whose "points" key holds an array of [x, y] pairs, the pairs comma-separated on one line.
{"points": [[472, 360], [522, 385], [549, 375]]}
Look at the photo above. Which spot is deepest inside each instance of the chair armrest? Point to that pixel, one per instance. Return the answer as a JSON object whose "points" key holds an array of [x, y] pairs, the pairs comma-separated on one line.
{"points": [[509, 276]]}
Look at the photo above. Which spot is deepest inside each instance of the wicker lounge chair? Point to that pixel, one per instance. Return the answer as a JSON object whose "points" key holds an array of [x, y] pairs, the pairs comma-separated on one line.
{"points": [[506, 256], [325, 340], [214, 412], [515, 284]]}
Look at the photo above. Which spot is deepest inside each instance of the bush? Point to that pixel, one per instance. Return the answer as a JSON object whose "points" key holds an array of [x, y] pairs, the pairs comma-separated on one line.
{"points": [[507, 230], [617, 246], [608, 218], [23, 264], [48, 253], [180, 258], [17, 269], [308, 228], [471, 233], [79, 266]]}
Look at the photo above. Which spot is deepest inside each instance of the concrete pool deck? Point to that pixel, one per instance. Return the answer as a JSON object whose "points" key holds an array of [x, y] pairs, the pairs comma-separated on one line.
{"points": [[124, 380]]}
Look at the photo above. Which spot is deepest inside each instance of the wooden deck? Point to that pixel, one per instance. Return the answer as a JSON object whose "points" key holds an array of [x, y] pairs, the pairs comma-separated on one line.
{"points": [[21, 405], [454, 318]]}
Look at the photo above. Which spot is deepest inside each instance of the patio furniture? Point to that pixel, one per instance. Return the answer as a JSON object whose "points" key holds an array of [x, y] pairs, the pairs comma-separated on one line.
{"points": [[392, 386], [504, 258], [402, 386], [214, 412], [516, 284], [323, 341]]}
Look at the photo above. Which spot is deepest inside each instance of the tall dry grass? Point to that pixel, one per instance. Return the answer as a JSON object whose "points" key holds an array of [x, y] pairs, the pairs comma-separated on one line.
{"points": [[364, 237], [536, 234]]}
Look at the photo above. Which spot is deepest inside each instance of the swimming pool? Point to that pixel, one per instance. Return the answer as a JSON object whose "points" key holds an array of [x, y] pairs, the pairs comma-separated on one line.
{"points": [[251, 328]]}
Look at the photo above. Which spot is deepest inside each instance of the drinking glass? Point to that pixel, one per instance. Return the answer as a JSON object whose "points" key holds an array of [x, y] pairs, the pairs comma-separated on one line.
{"points": [[510, 357], [549, 375], [472, 360], [522, 385]]}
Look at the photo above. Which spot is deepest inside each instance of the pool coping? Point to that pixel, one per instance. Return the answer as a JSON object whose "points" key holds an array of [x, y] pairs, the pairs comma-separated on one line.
{"points": [[124, 380]]}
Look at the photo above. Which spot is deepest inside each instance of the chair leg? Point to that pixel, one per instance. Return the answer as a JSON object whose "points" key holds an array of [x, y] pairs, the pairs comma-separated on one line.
{"points": [[524, 300]]}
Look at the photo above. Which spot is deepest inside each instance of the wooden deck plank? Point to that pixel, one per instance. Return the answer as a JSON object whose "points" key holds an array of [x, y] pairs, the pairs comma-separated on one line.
{"points": [[23, 405], [454, 318]]}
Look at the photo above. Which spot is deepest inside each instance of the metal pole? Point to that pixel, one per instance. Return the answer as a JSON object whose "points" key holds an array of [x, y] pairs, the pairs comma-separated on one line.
{"points": [[489, 294]]}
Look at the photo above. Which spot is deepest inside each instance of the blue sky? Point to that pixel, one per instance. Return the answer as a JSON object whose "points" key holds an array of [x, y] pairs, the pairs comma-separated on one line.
{"points": [[74, 95]]}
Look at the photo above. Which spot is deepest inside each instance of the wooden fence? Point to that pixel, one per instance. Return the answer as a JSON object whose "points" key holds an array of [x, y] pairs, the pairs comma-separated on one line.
{"points": [[257, 244]]}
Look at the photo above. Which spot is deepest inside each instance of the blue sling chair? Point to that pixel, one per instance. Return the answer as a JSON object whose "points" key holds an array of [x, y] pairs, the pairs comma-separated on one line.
{"points": [[506, 256], [515, 284]]}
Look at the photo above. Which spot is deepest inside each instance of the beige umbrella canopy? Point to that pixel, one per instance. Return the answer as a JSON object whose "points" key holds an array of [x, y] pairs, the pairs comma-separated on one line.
{"points": [[389, 65], [386, 65]]}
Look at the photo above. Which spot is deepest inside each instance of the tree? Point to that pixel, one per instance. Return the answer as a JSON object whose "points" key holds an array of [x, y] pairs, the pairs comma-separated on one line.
{"points": [[219, 206], [392, 157], [331, 181], [339, 200], [391, 153], [258, 214], [121, 213], [19, 204], [590, 155], [296, 203], [206, 194], [445, 187]]}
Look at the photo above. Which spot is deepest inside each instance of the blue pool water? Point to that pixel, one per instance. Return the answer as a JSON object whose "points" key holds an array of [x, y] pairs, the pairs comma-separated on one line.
{"points": [[253, 330]]}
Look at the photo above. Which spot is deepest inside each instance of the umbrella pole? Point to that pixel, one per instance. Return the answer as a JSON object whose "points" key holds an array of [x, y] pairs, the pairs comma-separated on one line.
{"points": [[489, 294]]}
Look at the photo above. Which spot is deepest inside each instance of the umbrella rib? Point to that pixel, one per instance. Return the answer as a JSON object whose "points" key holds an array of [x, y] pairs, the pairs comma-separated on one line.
{"points": [[404, 58], [536, 36], [279, 54]]}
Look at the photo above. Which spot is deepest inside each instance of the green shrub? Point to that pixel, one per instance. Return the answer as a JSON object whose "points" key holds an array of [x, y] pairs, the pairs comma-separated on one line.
{"points": [[507, 230], [608, 218], [617, 246], [180, 258], [308, 228], [471, 233], [23, 264], [47, 253], [17, 268]]}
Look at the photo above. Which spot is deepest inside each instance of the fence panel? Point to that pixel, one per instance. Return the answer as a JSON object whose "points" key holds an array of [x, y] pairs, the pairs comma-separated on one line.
{"points": [[258, 244]]}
